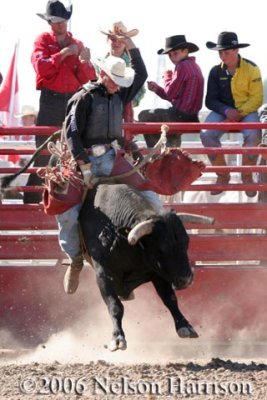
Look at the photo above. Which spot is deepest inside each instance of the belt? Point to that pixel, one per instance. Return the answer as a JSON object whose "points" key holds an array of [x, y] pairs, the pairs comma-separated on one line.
{"points": [[56, 94], [98, 150]]}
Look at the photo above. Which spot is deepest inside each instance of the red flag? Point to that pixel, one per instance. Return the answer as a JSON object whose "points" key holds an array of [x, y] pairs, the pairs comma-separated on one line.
{"points": [[9, 93]]}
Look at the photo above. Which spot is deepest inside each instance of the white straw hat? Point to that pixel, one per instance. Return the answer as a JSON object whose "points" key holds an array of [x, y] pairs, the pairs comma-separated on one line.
{"points": [[26, 110], [115, 68], [118, 29]]}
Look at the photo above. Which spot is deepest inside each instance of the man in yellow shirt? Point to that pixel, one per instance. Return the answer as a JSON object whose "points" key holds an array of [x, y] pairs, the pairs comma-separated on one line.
{"points": [[234, 94]]}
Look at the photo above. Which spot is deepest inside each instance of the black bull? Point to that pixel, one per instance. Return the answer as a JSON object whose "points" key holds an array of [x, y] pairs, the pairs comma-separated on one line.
{"points": [[130, 245]]}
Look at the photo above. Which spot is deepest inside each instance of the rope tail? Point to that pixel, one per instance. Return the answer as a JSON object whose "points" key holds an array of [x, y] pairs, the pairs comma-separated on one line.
{"points": [[8, 179]]}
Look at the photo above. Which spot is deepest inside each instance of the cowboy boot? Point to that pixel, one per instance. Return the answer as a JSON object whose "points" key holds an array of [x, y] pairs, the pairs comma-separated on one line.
{"points": [[71, 278], [222, 178], [247, 176]]}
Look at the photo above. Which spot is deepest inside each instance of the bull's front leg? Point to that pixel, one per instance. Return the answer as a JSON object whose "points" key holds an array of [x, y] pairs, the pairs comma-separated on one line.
{"points": [[167, 295], [115, 308]]}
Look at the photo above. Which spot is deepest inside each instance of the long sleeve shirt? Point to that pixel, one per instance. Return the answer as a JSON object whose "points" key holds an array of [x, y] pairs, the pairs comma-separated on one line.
{"points": [[63, 76], [243, 90], [185, 87], [80, 108]]}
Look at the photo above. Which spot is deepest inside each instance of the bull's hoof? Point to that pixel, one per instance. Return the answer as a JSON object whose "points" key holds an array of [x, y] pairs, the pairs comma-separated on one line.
{"points": [[118, 344], [187, 332]]}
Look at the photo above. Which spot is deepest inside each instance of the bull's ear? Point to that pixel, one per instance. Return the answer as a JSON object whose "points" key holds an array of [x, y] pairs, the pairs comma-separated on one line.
{"points": [[195, 218]]}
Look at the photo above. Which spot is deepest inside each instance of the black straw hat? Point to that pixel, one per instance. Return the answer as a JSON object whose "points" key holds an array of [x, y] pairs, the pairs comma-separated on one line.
{"points": [[226, 41], [56, 12], [177, 42]]}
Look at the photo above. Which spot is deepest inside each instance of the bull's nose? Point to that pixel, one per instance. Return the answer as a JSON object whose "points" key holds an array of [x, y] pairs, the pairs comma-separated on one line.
{"points": [[183, 282]]}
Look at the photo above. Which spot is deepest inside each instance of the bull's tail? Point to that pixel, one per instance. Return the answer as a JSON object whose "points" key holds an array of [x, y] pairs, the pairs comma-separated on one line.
{"points": [[5, 181]]}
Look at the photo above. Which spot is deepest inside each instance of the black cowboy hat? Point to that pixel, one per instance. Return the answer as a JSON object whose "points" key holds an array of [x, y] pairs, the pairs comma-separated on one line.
{"points": [[226, 41], [56, 12], [177, 42]]}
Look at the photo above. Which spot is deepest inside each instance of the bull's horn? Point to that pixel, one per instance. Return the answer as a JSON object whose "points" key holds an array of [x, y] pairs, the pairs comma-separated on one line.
{"points": [[140, 230], [195, 218]]}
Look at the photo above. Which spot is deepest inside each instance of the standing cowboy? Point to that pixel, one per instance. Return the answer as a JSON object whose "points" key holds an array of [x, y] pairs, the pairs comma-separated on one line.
{"points": [[62, 65]]}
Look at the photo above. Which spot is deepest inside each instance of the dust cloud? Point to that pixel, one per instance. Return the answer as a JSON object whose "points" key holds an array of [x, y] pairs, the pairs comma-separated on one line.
{"points": [[150, 335]]}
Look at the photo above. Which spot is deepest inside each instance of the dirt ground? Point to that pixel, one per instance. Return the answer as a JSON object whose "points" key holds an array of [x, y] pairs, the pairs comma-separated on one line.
{"points": [[202, 379], [76, 363], [157, 364]]}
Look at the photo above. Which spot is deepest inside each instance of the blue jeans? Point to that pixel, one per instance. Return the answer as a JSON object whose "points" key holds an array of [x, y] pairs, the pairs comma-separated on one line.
{"points": [[68, 225], [69, 239], [211, 138]]}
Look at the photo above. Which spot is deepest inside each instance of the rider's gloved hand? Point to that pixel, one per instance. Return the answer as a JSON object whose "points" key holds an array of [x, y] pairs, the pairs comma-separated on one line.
{"points": [[87, 175]]}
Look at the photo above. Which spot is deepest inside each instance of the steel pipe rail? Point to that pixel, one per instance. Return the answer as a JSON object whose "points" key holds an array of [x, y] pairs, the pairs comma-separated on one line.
{"points": [[195, 127], [26, 130], [192, 150], [137, 127], [221, 169], [145, 127]]}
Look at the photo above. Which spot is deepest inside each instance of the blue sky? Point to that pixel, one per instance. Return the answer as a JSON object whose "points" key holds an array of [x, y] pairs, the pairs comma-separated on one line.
{"points": [[200, 21]]}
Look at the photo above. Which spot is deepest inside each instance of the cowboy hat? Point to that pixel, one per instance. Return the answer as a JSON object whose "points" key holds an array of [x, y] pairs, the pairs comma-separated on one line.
{"points": [[226, 41], [177, 42], [119, 28], [56, 12], [26, 110], [115, 68]]}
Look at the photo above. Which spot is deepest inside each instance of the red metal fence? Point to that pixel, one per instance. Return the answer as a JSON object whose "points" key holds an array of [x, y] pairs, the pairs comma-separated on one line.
{"points": [[154, 128], [248, 216]]}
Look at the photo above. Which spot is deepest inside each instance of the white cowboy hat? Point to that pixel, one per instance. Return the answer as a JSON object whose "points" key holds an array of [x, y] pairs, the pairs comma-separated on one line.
{"points": [[117, 29], [26, 110], [115, 68]]}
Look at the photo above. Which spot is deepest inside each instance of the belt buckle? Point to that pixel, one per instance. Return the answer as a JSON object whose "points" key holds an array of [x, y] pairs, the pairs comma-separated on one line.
{"points": [[98, 150]]}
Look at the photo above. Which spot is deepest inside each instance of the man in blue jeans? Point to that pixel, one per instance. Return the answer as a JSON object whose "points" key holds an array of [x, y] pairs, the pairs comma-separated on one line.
{"points": [[234, 94], [92, 124]]}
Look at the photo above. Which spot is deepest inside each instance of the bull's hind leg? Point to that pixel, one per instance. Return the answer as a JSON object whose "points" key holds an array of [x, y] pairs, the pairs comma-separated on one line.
{"points": [[115, 309], [167, 295]]}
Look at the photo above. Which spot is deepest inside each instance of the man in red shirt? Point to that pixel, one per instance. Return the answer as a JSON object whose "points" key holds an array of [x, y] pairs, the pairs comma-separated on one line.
{"points": [[62, 65], [183, 88]]}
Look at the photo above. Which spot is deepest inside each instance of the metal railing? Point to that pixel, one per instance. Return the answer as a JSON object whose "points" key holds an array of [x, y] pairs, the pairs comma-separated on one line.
{"points": [[137, 128]]}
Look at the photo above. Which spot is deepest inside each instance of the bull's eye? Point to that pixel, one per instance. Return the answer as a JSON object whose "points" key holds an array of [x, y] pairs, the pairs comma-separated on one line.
{"points": [[159, 265], [161, 252]]}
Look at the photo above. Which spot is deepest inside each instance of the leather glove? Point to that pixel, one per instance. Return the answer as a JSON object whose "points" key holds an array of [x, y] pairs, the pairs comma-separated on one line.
{"points": [[87, 175]]}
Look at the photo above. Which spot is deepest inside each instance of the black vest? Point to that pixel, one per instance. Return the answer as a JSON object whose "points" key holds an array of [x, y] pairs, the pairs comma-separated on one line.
{"points": [[105, 119]]}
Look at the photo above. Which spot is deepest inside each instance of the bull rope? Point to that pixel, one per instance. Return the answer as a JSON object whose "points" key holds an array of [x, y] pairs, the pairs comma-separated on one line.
{"points": [[161, 142], [7, 180]]}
